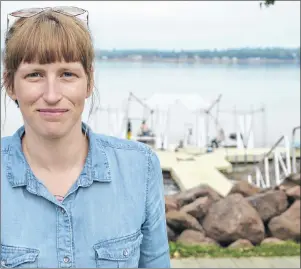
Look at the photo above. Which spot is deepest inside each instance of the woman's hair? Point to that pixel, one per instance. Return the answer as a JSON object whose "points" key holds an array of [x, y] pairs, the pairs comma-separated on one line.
{"points": [[46, 38]]}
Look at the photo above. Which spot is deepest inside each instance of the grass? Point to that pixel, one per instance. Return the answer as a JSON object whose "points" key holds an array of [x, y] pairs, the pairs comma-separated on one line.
{"points": [[288, 248]]}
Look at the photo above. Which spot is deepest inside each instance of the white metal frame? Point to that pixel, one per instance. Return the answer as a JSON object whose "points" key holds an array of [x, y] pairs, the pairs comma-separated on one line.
{"points": [[158, 117], [265, 181], [162, 118]]}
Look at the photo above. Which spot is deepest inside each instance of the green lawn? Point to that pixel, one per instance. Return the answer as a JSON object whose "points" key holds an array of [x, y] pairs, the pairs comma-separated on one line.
{"points": [[286, 249]]}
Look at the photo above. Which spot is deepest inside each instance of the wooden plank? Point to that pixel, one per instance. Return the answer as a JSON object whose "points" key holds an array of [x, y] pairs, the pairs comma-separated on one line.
{"points": [[190, 170], [189, 175]]}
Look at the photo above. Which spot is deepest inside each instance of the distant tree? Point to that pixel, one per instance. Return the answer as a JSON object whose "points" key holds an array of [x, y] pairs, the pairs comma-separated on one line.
{"points": [[267, 3]]}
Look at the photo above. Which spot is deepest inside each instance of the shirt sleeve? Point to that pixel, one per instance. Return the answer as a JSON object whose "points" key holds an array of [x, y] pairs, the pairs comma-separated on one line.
{"points": [[154, 248]]}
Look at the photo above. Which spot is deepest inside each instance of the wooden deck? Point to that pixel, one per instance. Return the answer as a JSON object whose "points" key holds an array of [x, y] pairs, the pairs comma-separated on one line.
{"points": [[190, 171], [191, 167], [254, 262]]}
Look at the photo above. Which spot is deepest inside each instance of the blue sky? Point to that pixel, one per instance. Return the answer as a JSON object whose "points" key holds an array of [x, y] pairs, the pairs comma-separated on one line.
{"points": [[182, 24]]}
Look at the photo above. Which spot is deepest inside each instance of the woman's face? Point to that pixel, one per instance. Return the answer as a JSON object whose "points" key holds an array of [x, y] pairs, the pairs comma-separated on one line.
{"points": [[51, 97]]}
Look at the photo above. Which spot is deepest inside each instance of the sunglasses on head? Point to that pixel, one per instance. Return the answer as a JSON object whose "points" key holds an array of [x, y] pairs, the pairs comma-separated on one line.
{"points": [[66, 10]]}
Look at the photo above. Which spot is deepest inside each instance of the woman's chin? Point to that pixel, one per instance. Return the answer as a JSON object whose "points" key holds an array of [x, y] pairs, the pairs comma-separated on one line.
{"points": [[54, 130]]}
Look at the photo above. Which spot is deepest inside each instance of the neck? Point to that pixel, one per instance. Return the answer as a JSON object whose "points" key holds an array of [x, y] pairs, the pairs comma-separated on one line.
{"points": [[56, 154]]}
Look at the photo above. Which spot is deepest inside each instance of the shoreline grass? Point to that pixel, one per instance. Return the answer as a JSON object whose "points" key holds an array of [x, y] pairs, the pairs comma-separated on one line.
{"points": [[288, 248]]}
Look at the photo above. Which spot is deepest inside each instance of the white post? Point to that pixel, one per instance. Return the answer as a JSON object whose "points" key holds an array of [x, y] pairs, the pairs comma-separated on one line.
{"points": [[202, 132], [250, 142], [276, 164], [250, 180], [267, 172], [197, 135], [288, 155], [167, 122], [185, 141], [207, 129], [285, 170], [158, 130], [240, 130], [259, 178], [158, 141]]}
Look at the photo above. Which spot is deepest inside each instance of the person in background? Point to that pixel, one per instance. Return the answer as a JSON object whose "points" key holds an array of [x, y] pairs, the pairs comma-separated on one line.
{"points": [[70, 197], [144, 129]]}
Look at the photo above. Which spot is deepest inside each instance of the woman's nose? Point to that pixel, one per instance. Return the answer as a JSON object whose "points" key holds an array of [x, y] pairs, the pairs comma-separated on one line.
{"points": [[52, 93]]}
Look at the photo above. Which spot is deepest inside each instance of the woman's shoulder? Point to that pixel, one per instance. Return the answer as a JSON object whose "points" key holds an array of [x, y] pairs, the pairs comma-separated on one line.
{"points": [[125, 149], [126, 154], [105, 141], [6, 143]]}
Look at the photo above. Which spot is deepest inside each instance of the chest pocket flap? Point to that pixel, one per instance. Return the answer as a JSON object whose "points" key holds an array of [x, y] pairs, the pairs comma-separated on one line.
{"points": [[18, 256], [121, 249]]}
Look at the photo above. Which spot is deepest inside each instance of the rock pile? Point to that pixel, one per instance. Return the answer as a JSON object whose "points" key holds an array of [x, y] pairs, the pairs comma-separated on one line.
{"points": [[248, 216]]}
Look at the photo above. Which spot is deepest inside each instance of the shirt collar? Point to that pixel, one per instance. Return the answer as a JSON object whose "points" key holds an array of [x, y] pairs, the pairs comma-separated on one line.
{"points": [[96, 166]]}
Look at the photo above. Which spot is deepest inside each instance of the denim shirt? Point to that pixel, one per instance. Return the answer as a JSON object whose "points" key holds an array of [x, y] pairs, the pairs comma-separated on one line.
{"points": [[113, 216]]}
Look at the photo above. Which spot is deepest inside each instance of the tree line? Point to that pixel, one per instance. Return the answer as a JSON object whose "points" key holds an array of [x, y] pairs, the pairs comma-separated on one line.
{"points": [[240, 53]]}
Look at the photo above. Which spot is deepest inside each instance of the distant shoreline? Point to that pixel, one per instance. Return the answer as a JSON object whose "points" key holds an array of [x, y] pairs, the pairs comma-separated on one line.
{"points": [[250, 61]]}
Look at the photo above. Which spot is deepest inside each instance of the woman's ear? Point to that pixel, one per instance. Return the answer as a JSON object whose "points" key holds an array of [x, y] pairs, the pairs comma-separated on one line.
{"points": [[8, 85]]}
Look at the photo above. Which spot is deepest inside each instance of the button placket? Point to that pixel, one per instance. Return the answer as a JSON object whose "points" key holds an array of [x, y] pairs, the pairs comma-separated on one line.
{"points": [[64, 237]]}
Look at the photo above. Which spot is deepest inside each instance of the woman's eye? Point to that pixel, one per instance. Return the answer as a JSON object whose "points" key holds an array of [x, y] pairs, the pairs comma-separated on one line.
{"points": [[68, 74], [34, 75]]}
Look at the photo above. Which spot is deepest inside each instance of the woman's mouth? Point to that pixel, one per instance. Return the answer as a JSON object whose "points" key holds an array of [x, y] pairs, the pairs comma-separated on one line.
{"points": [[52, 112]]}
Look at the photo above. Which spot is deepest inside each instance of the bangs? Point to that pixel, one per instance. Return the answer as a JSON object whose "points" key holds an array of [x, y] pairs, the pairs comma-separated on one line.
{"points": [[49, 38]]}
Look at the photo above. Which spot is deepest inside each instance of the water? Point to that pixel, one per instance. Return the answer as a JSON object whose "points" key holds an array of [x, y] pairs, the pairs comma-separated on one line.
{"points": [[170, 186], [278, 87]]}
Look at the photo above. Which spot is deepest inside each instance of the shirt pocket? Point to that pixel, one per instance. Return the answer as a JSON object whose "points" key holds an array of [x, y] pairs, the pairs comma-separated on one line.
{"points": [[18, 257], [123, 252]]}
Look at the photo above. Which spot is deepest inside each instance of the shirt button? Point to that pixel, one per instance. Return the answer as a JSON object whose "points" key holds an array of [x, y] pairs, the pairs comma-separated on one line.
{"points": [[125, 253], [66, 259]]}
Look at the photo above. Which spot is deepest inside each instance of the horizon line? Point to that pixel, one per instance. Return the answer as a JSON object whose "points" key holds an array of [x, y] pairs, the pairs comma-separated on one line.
{"points": [[183, 49]]}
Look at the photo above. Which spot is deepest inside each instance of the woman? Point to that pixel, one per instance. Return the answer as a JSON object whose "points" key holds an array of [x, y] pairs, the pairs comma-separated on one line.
{"points": [[70, 197]]}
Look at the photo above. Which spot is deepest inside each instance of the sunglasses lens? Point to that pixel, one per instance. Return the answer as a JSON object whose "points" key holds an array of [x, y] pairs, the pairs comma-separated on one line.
{"points": [[24, 13], [74, 11]]}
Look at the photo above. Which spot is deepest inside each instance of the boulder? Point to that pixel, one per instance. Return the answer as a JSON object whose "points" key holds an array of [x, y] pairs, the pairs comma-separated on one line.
{"points": [[233, 218], [287, 225], [244, 188], [272, 240], [296, 178], [241, 243], [191, 237], [180, 221], [293, 193], [198, 208], [170, 204], [290, 181], [192, 194], [269, 204]]}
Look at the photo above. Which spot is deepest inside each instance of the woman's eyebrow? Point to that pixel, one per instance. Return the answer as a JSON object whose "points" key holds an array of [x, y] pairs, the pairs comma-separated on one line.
{"points": [[69, 68], [31, 69]]}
